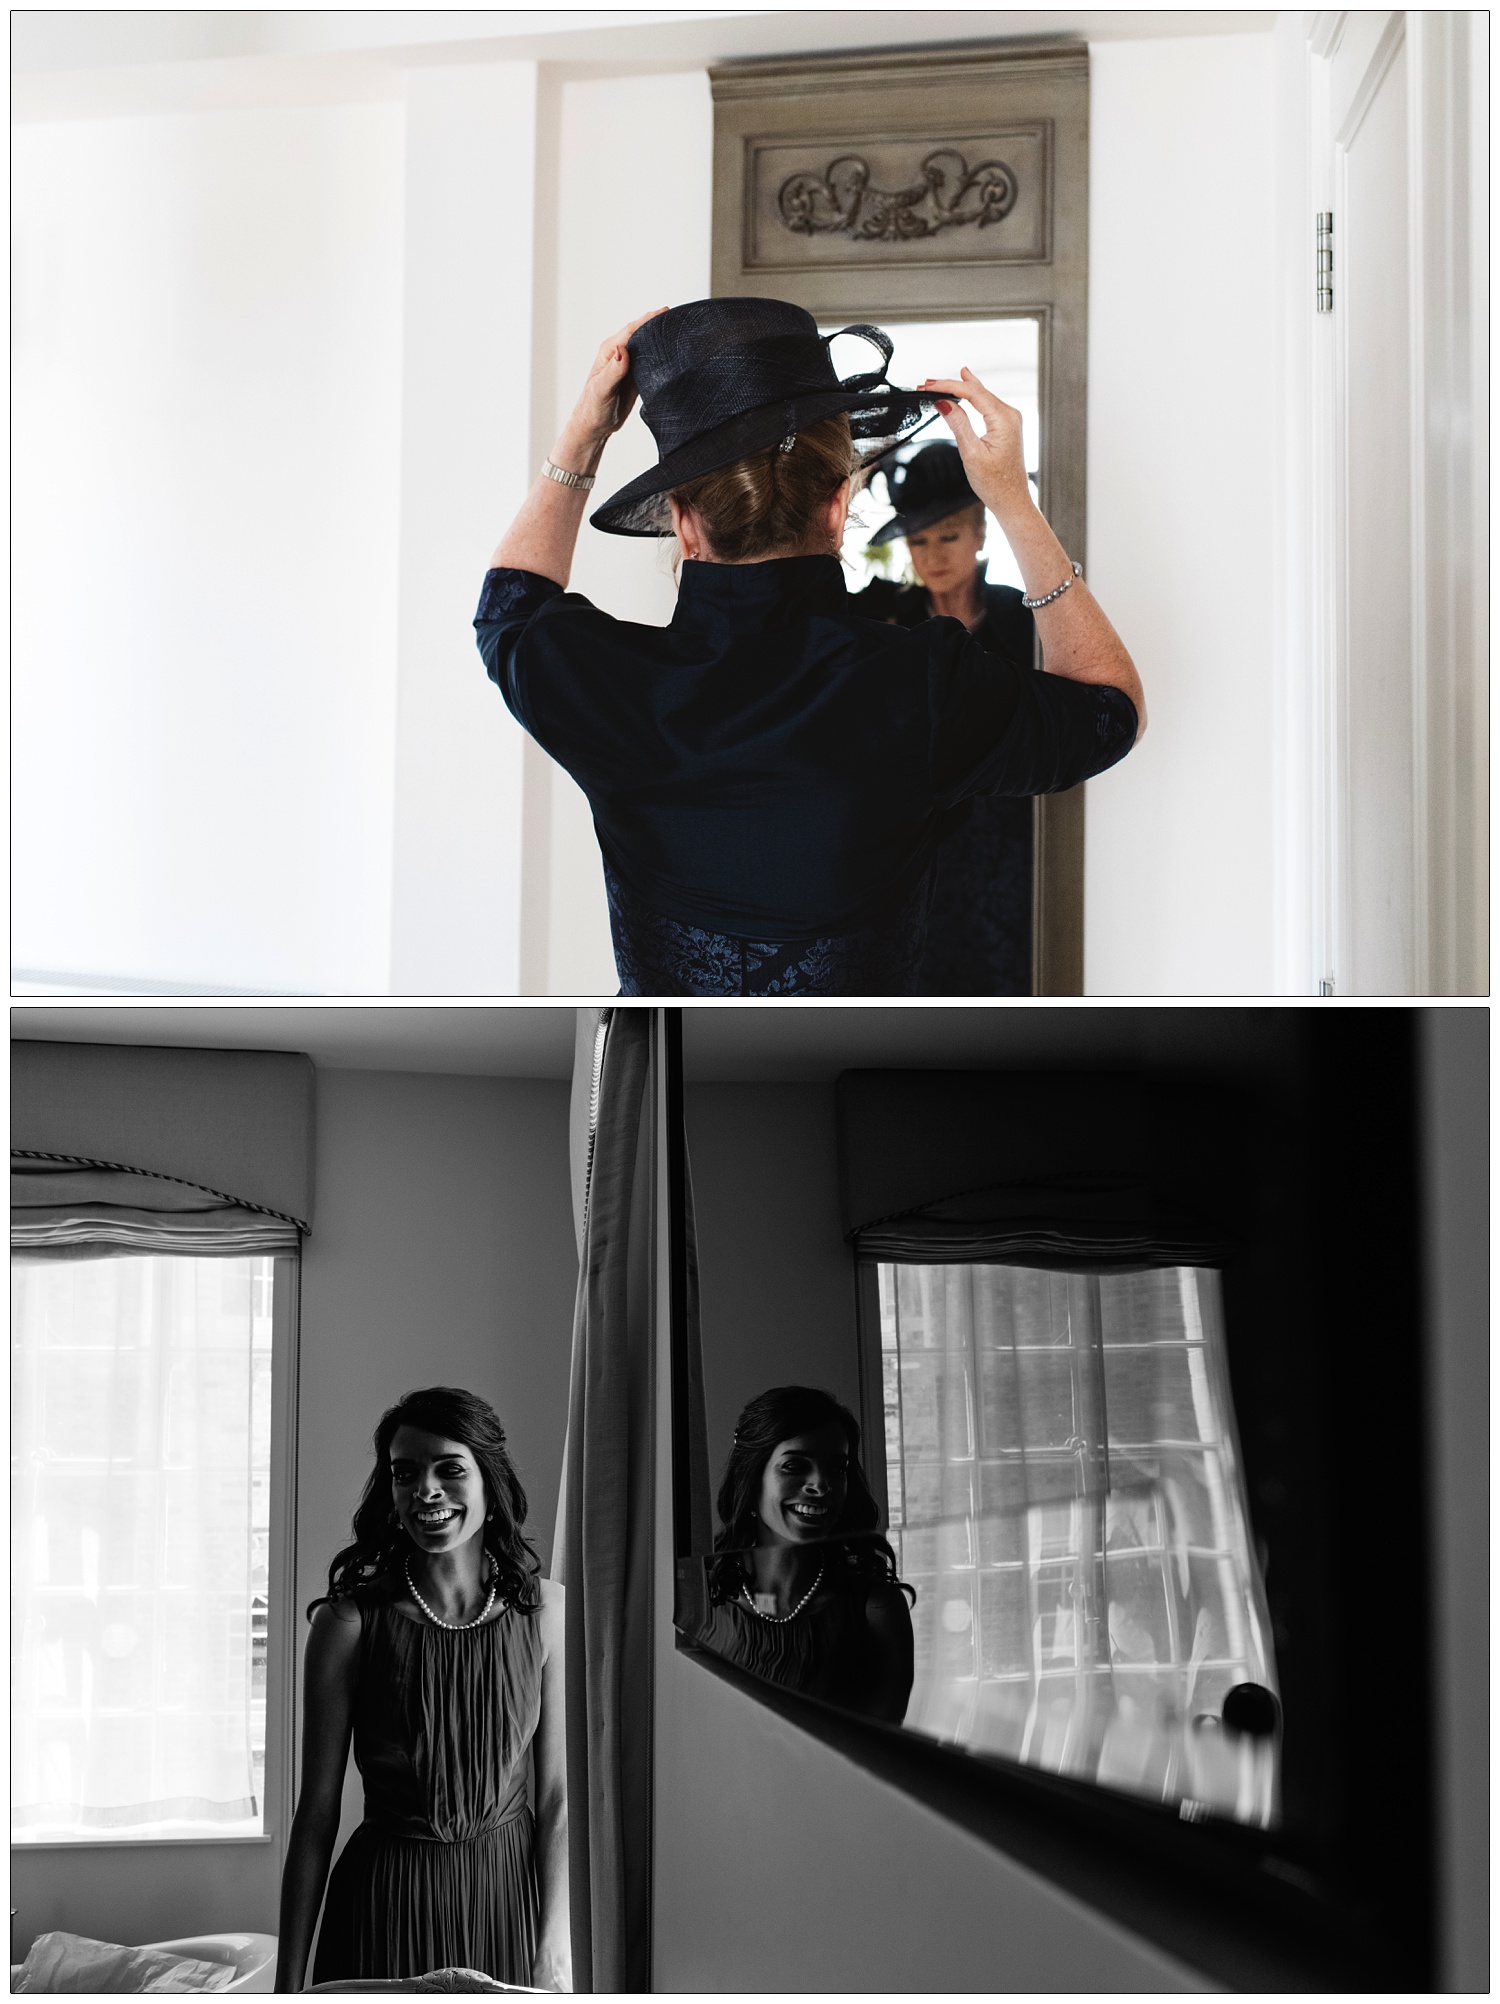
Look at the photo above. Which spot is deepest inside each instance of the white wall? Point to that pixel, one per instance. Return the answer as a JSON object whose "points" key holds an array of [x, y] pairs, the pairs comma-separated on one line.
{"points": [[465, 468], [206, 396], [616, 260], [1178, 885]]}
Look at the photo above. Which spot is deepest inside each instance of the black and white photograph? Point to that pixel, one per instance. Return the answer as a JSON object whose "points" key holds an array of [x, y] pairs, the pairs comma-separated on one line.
{"points": [[749, 1003]]}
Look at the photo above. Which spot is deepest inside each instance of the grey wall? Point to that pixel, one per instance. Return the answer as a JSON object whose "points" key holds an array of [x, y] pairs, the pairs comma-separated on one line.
{"points": [[1454, 1047], [777, 1279], [443, 1254]]}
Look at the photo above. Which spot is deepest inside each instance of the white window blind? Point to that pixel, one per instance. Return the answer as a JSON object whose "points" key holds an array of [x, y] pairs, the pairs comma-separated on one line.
{"points": [[141, 1445]]}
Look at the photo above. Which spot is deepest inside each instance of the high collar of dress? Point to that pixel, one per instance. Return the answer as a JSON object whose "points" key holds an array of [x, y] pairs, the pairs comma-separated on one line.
{"points": [[728, 600]]}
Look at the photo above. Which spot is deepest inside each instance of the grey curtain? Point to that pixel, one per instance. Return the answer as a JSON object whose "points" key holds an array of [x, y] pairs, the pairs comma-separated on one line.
{"points": [[606, 1542]]}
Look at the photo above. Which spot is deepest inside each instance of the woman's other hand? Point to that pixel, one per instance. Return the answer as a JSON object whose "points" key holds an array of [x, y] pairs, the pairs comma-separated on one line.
{"points": [[1078, 642], [993, 459], [608, 396]]}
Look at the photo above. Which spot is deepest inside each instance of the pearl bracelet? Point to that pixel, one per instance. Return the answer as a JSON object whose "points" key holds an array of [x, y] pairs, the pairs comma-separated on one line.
{"points": [[1031, 604], [565, 479]]}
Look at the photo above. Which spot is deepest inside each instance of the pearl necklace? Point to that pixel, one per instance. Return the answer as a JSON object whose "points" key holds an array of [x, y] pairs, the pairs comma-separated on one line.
{"points": [[436, 1619], [791, 1612]]}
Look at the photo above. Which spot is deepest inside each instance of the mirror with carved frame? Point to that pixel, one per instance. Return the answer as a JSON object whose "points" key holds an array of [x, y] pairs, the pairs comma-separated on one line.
{"points": [[936, 193]]}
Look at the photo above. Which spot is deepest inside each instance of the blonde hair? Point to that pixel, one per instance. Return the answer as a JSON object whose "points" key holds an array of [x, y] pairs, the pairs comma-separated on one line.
{"points": [[766, 504]]}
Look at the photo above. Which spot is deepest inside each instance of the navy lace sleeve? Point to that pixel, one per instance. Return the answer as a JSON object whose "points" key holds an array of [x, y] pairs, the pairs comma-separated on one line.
{"points": [[1052, 733], [508, 603]]}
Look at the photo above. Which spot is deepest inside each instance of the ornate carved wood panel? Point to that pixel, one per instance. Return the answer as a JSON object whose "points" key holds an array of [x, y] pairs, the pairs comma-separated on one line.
{"points": [[926, 184], [894, 202]]}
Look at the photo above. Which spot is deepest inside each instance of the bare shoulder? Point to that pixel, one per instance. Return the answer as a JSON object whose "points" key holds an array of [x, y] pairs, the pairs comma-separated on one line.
{"points": [[334, 1630], [886, 1607], [332, 1658], [344, 1611]]}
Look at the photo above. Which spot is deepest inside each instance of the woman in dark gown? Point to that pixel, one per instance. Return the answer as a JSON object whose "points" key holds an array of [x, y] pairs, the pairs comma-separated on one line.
{"points": [[979, 923], [770, 775], [803, 1590], [440, 1652]]}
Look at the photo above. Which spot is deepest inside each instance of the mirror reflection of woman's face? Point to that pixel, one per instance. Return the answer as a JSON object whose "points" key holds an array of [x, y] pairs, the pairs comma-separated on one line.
{"points": [[437, 1489], [944, 554], [804, 1487]]}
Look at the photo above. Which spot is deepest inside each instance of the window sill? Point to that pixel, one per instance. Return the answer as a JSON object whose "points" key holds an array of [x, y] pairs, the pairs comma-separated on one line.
{"points": [[132, 1843]]}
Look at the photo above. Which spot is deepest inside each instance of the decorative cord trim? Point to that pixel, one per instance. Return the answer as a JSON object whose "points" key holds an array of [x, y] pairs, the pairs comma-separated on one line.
{"points": [[160, 1176]]}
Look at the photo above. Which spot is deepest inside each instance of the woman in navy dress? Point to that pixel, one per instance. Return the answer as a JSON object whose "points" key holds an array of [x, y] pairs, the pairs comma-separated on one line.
{"points": [[979, 924], [771, 774], [439, 1652]]}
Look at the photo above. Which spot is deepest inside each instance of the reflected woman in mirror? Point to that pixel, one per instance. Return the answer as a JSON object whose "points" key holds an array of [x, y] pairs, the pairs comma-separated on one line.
{"points": [[803, 1588], [979, 925], [438, 1650]]}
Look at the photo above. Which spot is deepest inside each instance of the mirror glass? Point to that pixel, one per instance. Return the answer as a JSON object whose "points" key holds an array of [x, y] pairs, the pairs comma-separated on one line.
{"points": [[1004, 354], [982, 924], [997, 1504]]}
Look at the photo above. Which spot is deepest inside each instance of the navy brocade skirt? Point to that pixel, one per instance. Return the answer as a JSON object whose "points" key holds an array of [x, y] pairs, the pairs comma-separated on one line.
{"points": [[656, 955]]}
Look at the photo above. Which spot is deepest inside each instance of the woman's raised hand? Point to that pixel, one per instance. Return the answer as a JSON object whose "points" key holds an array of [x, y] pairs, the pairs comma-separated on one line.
{"points": [[609, 394], [993, 459]]}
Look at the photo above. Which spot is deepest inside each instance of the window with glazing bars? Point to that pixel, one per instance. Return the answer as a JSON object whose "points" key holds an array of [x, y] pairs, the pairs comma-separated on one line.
{"points": [[1064, 1495]]}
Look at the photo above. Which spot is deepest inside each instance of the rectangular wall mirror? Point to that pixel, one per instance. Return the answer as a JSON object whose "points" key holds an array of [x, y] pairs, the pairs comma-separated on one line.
{"points": [[1025, 1369], [943, 196], [971, 1462]]}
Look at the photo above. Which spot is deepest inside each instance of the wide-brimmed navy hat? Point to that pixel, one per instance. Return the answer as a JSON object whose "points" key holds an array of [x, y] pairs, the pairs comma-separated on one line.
{"points": [[931, 486], [720, 379]]}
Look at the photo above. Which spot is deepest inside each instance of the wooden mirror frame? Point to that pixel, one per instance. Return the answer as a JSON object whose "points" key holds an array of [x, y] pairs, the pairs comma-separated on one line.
{"points": [[1027, 257]]}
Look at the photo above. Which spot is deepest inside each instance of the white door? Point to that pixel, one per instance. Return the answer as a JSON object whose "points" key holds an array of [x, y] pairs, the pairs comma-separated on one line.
{"points": [[1399, 146]]}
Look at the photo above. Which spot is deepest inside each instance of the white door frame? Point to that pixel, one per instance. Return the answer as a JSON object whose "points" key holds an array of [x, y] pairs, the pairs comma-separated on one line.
{"points": [[1329, 66]]}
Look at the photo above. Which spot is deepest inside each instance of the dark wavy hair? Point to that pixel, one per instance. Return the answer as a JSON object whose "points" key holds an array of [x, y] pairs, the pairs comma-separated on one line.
{"points": [[381, 1546], [783, 1413]]}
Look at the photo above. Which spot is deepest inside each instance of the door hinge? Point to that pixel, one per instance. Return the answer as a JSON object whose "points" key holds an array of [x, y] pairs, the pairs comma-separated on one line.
{"points": [[1325, 260], [1325, 986]]}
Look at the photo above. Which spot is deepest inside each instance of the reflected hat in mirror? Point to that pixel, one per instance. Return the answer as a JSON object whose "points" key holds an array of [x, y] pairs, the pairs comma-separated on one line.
{"points": [[931, 485], [720, 379]]}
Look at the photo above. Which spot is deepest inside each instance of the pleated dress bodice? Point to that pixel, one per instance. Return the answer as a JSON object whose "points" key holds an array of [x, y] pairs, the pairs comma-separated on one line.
{"points": [[825, 1651], [442, 1721], [441, 1872]]}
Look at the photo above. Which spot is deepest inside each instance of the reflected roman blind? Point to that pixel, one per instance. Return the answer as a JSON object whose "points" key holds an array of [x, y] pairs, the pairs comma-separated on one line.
{"points": [[1050, 1169]]}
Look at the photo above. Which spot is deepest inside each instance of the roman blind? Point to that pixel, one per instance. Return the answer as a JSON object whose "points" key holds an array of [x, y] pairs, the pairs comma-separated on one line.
{"points": [[125, 1147]]}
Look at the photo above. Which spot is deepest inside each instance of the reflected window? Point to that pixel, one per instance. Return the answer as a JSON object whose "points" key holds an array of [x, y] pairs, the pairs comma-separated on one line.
{"points": [[1004, 354], [1064, 1495]]}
